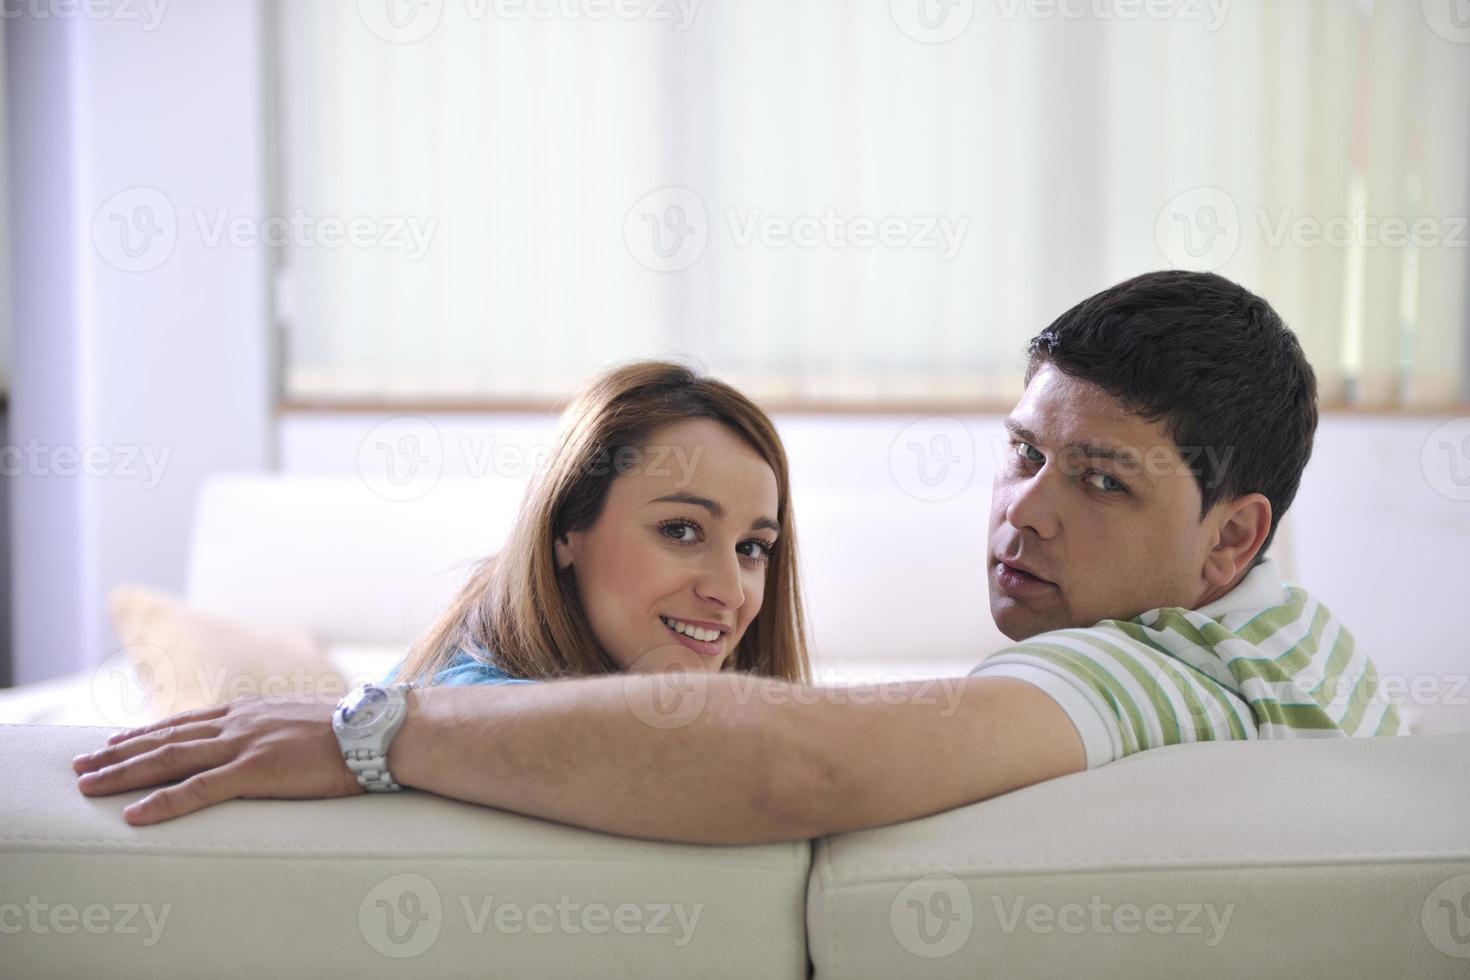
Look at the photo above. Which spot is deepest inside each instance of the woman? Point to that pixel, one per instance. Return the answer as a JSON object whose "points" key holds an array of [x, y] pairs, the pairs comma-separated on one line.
{"points": [[660, 538], [599, 574]]}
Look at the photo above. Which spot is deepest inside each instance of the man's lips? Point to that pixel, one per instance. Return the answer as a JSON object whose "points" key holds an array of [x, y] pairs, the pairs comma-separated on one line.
{"points": [[1017, 580], [1020, 565]]}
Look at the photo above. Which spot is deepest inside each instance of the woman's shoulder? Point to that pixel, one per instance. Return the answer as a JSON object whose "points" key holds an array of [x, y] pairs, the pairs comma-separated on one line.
{"points": [[467, 668]]}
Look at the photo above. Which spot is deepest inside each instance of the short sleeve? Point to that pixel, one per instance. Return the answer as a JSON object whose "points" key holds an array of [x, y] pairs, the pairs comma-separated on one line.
{"points": [[1100, 731], [1123, 696]]}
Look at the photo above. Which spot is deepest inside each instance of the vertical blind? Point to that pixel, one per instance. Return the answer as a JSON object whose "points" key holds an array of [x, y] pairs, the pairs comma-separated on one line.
{"points": [[843, 202]]}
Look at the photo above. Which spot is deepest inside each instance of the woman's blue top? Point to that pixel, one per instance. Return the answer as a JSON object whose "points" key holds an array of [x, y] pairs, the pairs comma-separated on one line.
{"points": [[464, 669]]}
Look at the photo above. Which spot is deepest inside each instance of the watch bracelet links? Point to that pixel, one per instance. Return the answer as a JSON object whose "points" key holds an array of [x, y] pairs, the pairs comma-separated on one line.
{"points": [[374, 779]]}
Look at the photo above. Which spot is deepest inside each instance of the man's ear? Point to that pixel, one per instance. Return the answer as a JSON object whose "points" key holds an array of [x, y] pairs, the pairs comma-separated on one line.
{"points": [[563, 550], [1245, 522]]}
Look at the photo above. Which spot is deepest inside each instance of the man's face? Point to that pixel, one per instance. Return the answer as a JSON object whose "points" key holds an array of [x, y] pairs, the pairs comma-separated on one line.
{"points": [[1097, 505]]}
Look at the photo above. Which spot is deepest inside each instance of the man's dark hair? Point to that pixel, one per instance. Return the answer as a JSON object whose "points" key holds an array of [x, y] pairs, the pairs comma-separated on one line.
{"points": [[1213, 362]]}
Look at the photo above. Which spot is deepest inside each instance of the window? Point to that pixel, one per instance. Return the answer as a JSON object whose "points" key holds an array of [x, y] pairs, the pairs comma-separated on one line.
{"points": [[855, 204]]}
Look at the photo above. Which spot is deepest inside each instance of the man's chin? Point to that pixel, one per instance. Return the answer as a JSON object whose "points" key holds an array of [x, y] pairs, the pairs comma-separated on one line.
{"points": [[1017, 622]]}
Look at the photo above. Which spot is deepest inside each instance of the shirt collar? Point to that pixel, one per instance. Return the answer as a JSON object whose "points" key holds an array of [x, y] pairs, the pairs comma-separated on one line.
{"points": [[1261, 588]]}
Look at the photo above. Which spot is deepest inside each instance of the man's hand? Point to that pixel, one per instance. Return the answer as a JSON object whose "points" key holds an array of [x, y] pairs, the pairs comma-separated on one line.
{"points": [[252, 747]]}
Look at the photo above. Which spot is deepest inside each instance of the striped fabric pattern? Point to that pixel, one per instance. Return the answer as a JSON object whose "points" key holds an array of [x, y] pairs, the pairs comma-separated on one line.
{"points": [[1178, 675]]}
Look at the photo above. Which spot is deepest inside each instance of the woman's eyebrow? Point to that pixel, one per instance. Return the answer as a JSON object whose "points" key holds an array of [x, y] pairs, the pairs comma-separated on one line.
{"points": [[714, 507]]}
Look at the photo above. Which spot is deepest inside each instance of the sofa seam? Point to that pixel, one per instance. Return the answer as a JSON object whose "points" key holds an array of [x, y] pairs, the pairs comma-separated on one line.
{"points": [[830, 901], [347, 850], [877, 875]]}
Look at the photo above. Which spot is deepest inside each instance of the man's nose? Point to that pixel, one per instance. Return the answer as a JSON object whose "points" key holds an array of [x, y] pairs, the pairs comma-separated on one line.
{"points": [[1032, 503]]}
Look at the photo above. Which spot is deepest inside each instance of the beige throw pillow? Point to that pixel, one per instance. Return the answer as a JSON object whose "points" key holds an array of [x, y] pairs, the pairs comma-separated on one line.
{"points": [[191, 659]]}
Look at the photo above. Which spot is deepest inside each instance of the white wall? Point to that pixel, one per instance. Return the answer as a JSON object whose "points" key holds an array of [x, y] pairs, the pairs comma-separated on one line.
{"points": [[166, 354], [4, 230]]}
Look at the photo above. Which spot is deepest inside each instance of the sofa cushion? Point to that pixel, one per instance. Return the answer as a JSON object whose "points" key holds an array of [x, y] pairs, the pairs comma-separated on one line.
{"points": [[404, 884], [190, 658], [1328, 857]]}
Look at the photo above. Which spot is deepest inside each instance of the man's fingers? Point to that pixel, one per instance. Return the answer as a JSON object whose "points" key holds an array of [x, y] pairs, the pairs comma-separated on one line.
{"points": [[120, 751], [175, 760], [195, 793], [182, 718]]}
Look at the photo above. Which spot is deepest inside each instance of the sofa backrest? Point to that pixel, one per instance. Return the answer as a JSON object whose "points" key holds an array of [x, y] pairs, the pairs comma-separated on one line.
{"points": [[394, 884], [328, 555]]}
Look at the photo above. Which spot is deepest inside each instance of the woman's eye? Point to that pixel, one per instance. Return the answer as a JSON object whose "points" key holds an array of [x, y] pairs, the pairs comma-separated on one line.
{"points": [[1106, 483], [674, 530], [761, 551], [1029, 453]]}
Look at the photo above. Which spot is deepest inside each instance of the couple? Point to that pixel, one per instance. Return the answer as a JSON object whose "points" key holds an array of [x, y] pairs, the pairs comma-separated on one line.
{"points": [[1142, 611]]}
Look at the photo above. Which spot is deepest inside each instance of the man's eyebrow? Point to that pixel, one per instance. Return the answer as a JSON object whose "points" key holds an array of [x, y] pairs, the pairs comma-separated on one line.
{"points": [[713, 506], [1090, 449], [1020, 431], [1097, 450]]}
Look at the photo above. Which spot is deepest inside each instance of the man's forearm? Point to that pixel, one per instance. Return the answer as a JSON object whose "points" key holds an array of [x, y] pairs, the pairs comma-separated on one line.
{"points": [[697, 757], [732, 758]]}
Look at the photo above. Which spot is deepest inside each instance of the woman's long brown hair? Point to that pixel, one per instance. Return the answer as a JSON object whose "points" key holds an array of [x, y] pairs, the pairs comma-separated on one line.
{"points": [[525, 613]]}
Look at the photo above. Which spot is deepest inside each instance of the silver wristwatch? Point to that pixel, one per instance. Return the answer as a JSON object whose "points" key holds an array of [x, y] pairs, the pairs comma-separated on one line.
{"points": [[365, 722]]}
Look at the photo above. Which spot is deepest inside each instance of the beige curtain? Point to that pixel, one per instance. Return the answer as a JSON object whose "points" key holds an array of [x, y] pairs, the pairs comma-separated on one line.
{"points": [[1023, 158]]}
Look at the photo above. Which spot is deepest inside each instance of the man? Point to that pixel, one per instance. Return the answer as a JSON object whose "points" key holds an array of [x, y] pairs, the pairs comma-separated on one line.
{"points": [[1161, 437]]}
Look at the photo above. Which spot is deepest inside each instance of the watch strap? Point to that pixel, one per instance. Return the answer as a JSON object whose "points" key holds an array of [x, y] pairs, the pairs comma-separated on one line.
{"points": [[371, 769]]}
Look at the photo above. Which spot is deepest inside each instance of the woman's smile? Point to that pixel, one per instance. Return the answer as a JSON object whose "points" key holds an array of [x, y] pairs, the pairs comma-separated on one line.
{"points": [[707, 647]]}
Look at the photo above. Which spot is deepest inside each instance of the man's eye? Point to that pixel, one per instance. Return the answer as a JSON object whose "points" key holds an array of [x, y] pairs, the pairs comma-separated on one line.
{"points": [[1029, 453], [1106, 483]]}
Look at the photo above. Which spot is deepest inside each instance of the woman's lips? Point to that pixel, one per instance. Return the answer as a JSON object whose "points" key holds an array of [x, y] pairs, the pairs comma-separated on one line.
{"points": [[711, 648], [1018, 583]]}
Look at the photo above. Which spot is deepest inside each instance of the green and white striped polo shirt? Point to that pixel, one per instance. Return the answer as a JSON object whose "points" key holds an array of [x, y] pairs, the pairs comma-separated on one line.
{"points": [[1265, 660]]}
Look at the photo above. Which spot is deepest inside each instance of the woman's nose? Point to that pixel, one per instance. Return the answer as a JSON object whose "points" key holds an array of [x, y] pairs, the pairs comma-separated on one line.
{"points": [[719, 582]]}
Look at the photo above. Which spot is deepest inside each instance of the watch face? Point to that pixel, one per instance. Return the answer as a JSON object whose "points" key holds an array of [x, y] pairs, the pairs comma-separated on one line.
{"points": [[364, 706]]}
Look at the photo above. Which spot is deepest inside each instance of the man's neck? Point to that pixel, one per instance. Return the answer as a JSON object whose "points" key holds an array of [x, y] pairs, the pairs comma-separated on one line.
{"points": [[1210, 595]]}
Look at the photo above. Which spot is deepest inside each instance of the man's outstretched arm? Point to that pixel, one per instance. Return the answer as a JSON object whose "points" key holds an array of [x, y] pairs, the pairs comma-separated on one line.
{"points": [[732, 758]]}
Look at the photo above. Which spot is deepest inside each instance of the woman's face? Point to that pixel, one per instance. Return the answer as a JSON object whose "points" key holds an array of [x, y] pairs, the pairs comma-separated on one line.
{"points": [[682, 546]]}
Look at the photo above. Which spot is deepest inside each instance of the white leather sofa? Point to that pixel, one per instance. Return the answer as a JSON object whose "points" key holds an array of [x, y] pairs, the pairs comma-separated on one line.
{"points": [[1312, 858]]}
